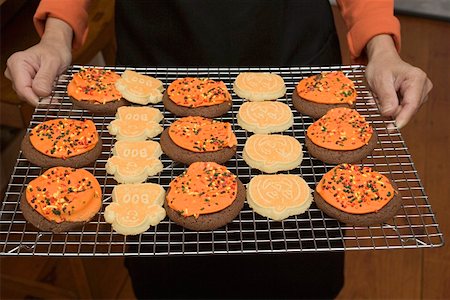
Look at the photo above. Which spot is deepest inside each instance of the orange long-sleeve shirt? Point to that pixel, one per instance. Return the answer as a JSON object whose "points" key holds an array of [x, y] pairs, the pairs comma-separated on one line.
{"points": [[364, 19]]}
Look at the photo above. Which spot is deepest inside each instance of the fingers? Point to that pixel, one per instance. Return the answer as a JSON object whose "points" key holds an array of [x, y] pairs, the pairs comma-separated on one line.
{"points": [[43, 81], [21, 73], [383, 87]]}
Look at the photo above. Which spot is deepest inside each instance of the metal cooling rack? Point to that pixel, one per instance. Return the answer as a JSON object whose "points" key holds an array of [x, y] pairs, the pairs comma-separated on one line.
{"points": [[415, 225]]}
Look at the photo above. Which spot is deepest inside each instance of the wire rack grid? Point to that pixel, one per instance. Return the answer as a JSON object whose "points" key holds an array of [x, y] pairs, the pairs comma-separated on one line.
{"points": [[414, 226]]}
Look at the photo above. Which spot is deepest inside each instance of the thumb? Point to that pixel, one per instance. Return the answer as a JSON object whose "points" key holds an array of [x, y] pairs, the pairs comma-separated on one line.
{"points": [[43, 81], [387, 96]]}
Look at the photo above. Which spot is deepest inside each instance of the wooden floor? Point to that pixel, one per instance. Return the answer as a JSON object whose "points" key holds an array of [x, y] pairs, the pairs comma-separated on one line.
{"points": [[399, 274]]}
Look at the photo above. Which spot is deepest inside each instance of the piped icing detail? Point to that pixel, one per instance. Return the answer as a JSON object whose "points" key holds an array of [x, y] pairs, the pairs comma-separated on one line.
{"points": [[355, 189], [197, 92], [327, 88]]}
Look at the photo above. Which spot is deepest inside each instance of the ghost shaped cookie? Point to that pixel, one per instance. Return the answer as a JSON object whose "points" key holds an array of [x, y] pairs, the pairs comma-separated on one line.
{"points": [[139, 88]]}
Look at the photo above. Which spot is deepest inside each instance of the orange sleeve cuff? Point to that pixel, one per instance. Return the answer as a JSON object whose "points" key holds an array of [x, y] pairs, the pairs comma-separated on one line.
{"points": [[73, 12]]}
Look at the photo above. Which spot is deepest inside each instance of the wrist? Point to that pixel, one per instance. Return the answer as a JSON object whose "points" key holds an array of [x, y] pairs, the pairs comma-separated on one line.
{"points": [[381, 45], [57, 33]]}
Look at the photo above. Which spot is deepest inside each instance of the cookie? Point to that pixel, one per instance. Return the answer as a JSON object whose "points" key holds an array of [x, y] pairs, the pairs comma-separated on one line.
{"points": [[62, 142], [342, 135], [265, 117], [357, 195], [278, 196], [139, 88], [197, 97], [134, 162], [259, 86], [192, 139], [61, 199], [316, 95], [206, 196], [136, 123], [94, 89], [135, 207], [272, 153]]}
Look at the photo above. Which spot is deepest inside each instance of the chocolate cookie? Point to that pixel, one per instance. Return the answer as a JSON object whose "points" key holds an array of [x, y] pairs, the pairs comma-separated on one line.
{"points": [[341, 156], [209, 221], [177, 153], [107, 109], [384, 214], [313, 109], [42, 223], [42, 160], [212, 111]]}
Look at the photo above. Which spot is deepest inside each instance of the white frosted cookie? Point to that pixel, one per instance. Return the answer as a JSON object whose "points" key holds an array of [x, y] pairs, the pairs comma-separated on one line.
{"points": [[272, 153], [134, 162], [279, 196], [136, 123], [265, 117], [139, 88], [259, 86], [135, 207]]}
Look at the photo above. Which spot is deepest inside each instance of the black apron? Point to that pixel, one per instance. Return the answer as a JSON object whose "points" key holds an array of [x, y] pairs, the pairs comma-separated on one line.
{"points": [[230, 33]]}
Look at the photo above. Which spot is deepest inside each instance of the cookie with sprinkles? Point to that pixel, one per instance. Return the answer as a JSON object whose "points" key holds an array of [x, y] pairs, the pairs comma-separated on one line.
{"points": [[62, 142], [192, 139], [342, 135], [94, 89], [205, 197], [357, 195], [316, 95], [192, 96], [61, 199]]}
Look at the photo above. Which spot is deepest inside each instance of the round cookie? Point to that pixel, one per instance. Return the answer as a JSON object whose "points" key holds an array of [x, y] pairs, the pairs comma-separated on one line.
{"points": [[220, 154], [46, 161], [379, 203], [278, 196], [317, 94], [213, 220], [72, 209], [94, 89], [265, 117], [197, 97], [259, 86], [342, 135]]}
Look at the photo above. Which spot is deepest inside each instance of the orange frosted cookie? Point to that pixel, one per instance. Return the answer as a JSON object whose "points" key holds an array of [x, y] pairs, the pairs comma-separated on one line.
{"points": [[357, 195], [192, 96], [62, 142], [272, 153], [61, 199], [265, 117], [136, 123], [134, 162], [278, 196], [205, 197], [191, 139], [139, 88], [259, 86], [319, 93], [341, 135], [94, 89], [135, 207]]}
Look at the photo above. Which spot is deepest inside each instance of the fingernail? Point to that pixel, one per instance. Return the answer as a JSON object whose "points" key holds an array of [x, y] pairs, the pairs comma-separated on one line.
{"points": [[400, 123], [391, 127]]}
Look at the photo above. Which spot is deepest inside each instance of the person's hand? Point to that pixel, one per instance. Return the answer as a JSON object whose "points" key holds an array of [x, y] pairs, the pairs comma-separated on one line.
{"points": [[33, 71], [400, 87]]}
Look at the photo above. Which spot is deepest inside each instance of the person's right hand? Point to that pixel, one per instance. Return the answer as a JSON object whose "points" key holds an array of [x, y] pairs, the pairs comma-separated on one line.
{"points": [[33, 71]]}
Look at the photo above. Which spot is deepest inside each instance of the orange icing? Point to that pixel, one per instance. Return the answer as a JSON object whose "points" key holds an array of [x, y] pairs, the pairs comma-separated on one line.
{"points": [[199, 134], [340, 129], [65, 194], [327, 88], [97, 85], [196, 92], [63, 138], [206, 187], [355, 189]]}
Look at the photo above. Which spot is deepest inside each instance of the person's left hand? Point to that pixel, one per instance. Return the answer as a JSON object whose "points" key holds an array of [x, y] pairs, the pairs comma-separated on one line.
{"points": [[400, 87]]}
